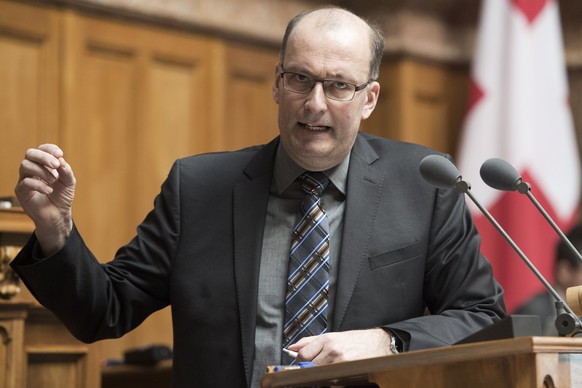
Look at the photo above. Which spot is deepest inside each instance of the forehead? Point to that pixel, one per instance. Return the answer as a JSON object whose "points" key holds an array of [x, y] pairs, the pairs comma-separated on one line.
{"points": [[329, 47]]}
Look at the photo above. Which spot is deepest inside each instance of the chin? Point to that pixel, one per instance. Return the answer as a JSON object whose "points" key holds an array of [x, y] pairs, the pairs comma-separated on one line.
{"points": [[317, 161]]}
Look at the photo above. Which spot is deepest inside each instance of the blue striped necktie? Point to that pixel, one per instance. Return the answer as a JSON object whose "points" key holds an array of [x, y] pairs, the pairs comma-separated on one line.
{"points": [[308, 277]]}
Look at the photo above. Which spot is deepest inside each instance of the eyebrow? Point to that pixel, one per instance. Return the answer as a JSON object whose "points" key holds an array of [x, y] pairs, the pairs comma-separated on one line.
{"points": [[333, 77]]}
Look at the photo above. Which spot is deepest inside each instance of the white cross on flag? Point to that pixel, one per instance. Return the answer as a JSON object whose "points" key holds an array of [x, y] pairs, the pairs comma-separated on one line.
{"points": [[519, 111]]}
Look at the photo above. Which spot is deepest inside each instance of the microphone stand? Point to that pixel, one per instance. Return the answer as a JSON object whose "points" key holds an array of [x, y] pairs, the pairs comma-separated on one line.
{"points": [[567, 322]]}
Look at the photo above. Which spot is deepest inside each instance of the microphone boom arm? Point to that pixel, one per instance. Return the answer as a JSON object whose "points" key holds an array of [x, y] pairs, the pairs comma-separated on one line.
{"points": [[515, 247], [566, 318], [440, 172]]}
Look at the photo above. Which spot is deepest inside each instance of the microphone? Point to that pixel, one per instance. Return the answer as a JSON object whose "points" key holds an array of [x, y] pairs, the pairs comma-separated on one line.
{"points": [[440, 172], [500, 175]]}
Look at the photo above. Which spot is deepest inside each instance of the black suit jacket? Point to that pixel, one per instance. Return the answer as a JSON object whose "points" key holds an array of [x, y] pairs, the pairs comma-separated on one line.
{"points": [[407, 248]]}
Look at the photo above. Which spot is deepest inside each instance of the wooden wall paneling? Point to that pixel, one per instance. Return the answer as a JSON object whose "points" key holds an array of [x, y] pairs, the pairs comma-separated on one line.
{"points": [[105, 75], [250, 112], [575, 99], [37, 351], [385, 121], [100, 109], [56, 367], [424, 113], [137, 98], [217, 97], [178, 89], [175, 119], [457, 89], [29, 115], [55, 357], [12, 362], [420, 102], [434, 103]]}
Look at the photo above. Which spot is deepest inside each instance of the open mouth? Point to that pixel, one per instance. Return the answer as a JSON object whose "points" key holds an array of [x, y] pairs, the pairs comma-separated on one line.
{"points": [[314, 127]]}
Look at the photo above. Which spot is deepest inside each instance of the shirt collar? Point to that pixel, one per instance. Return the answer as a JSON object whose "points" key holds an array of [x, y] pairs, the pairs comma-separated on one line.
{"points": [[286, 171]]}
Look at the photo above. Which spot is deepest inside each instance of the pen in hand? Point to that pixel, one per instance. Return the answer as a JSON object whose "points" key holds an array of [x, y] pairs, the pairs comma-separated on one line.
{"points": [[299, 365], [290, 353]]}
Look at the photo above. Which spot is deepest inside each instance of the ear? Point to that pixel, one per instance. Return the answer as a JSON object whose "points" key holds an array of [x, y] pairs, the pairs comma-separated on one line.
{"points": [[275, 91], [371, 99]]}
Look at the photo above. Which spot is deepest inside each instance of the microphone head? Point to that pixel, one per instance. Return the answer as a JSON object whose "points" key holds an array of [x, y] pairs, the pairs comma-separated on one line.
{"points": [[500, 175], [439, 171]]}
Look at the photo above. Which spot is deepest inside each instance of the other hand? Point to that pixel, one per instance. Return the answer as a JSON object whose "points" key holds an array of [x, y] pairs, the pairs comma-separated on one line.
{"points": [[351, 345]]}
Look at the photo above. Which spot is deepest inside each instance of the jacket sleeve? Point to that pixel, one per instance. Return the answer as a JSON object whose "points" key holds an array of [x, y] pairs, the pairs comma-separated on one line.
{"points": [[460, 292], [97, 301]]}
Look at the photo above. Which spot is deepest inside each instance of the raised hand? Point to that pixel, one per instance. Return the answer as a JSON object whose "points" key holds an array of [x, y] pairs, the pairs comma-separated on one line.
{"points": [[45, 189]]}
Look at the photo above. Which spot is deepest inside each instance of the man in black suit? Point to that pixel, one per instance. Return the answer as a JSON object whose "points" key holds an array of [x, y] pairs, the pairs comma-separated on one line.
{"points": [[405, 271]]}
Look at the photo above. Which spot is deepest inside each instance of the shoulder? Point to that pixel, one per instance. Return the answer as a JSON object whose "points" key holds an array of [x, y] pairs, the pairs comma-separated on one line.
{"points": [[394, 152], [212, 171], [383, 145], [250, 161], [222, 159]]}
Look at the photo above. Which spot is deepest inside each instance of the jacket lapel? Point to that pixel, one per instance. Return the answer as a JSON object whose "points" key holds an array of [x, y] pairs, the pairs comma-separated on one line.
{"points": [[250, 198], [363, 193]]}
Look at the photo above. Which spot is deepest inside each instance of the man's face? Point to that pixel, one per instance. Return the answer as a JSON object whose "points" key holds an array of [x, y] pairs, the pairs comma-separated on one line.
{"points": [[568, 275], [318, 132]]}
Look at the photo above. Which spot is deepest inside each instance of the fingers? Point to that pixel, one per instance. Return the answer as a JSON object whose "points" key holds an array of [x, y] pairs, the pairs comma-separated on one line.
{"points": [[309, 348], [334, 347], [66, 173], [30, 185], [41, 168], [30, 169], [44, 160], [47, 155], [52, 149]]}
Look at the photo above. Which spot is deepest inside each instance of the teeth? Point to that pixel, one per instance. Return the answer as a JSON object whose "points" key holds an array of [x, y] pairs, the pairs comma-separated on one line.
{"points": [[315, 127]]}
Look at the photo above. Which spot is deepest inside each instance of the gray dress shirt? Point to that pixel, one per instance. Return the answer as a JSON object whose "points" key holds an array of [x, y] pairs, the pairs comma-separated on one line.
{"points": [[283, 207]]}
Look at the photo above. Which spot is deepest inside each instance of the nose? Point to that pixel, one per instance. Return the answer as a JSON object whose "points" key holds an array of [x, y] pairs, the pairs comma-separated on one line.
{"points": [[316, 100]]}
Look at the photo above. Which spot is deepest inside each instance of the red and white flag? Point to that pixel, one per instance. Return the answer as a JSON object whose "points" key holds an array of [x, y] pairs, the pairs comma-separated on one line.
{"points": [[519, 112]]}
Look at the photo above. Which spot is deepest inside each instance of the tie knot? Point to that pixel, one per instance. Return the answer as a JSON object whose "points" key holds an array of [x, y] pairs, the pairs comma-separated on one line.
{"points": [[314, 183]]}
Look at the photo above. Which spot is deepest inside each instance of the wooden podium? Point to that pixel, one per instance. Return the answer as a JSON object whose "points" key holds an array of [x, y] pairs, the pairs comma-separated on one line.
{"points": [[517, 363]]}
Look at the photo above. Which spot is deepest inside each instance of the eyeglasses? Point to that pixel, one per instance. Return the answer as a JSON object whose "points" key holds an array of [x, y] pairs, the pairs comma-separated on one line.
{"points": [[336, 90]]}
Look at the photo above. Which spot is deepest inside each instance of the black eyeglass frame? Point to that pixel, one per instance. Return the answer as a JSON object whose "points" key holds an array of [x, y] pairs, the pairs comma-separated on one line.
{"points": [[315, 81]]}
